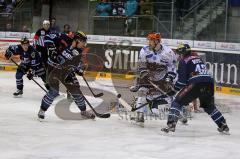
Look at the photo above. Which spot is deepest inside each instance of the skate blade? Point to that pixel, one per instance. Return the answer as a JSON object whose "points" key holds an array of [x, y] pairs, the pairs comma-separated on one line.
{"points": [[86, 118], [225, 133], [140, 124], [18, 96], [40, 119]]}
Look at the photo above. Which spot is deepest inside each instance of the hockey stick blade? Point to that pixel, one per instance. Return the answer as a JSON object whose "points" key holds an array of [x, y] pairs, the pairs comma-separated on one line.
{"points": [[98, 95], [103, 115], [95, 95], [107, 115]]}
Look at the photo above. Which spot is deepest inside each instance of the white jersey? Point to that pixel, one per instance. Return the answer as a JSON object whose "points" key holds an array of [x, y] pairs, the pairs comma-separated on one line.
{"points": [[156, 61]]}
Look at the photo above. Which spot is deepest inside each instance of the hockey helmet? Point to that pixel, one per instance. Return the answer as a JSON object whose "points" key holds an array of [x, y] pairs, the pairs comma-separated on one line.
{"points": [[79, 35], [46, 22], [184, 49], [24, 40], [154, 36]]}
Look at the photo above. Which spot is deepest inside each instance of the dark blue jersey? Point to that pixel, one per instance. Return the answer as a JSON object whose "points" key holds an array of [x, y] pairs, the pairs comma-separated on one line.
{"points": [[55, 44], [30, 58], [69, 58], [192, 69]]}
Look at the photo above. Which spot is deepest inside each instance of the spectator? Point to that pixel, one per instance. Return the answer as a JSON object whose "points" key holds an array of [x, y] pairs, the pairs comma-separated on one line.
{"points": [[8, 5], [130, 10], [118, 8], [179, 8], [103, 8], [66, 28], [54, 28], [25, 28], [9, 27], [146, 7]]}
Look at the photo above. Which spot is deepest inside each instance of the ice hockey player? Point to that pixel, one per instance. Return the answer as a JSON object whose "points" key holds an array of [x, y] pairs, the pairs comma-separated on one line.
{"points": [[62, 67], [194, 82], [30, 63], [56, 42], [38, 40], [156, 64]]}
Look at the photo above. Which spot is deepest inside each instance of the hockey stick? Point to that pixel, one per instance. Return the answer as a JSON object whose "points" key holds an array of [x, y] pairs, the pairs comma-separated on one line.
{"points": [[130, 108], [95, 112], [32, 78], [95, 95]]}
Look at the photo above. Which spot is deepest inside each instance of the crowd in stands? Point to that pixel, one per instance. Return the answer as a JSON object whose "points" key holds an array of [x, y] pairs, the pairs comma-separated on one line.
{"points": [[126, 8], [6, 6]]}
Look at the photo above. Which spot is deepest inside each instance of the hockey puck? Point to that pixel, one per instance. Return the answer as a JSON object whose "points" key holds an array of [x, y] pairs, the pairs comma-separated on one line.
{"points": [[119, 95]]}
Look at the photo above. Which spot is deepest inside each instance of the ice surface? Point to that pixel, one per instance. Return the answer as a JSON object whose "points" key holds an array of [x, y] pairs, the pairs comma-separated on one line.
{"points": [[23, 137]]}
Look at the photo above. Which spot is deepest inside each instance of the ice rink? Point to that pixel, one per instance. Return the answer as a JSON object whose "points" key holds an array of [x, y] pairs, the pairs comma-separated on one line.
{"points": [[22, 136]]}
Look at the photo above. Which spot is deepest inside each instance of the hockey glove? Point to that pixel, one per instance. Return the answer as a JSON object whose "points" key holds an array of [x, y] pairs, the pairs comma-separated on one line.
{"points": [[52, 53], [8, 54], [143, 74], [80, 72], [170, 76], [23, 68], [30, 75], [172, 93]]}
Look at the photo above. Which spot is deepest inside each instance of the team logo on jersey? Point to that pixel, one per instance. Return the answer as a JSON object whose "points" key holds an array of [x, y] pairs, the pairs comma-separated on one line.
{"points": [[33, 55], [42, 32]]}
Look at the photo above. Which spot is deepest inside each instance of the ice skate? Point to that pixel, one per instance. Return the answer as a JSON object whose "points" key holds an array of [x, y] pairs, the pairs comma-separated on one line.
{"points": [[170, 127], [41, 114], [224, 129], [134, 88], [18, 93], [139, 119], [184, 120], [87, 115]]}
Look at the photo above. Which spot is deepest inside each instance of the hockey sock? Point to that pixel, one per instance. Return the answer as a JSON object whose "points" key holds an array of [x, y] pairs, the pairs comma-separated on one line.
{"points": [[48, 99], [174, 112], [79, 100], [19, 83], [215, 114]]}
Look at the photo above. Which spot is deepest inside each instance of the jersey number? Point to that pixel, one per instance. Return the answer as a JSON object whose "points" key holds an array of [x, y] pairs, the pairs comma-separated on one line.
{"points": [[201, 69]]}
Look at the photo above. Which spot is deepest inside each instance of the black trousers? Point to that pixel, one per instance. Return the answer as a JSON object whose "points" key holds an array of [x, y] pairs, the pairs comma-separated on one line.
{"points": [[203, 90]]}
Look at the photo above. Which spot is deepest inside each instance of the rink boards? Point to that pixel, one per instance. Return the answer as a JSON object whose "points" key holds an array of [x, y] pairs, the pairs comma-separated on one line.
{"points": [[116, 57]]}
